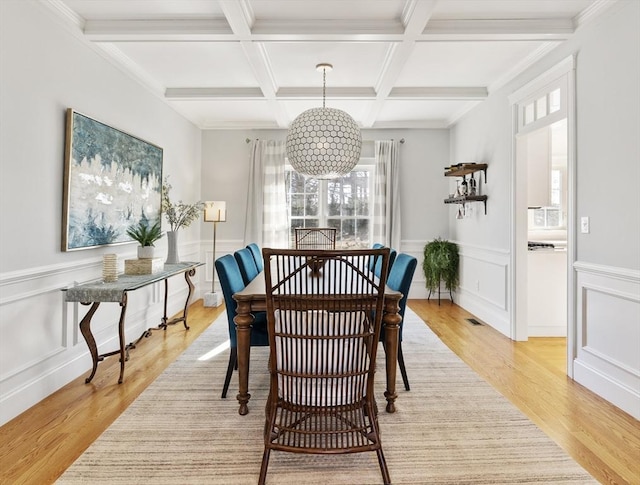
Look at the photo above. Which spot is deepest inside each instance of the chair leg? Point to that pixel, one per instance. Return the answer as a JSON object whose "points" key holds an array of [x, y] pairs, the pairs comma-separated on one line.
{"points": [[263, 467], [233, 359], [403, 369], [383, 467]]}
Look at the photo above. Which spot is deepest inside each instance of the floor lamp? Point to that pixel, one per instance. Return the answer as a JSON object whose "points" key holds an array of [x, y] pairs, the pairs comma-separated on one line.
{"points": [[214, 211]]}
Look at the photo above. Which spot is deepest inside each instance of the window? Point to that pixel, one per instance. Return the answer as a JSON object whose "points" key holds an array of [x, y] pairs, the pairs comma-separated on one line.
{"points": [[345, 203], [545, 107]]}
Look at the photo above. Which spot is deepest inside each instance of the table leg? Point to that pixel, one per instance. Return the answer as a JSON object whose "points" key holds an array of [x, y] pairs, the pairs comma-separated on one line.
{"points": [[123, 348], [165, 321], [391, 321], [85, 329], [243, 321]]}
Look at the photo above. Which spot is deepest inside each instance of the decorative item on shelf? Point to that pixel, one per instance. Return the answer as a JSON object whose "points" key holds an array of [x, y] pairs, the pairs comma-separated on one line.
{"points": [[214, 211], [145, 235], [143, 266], [441, 262], [178, 215], [473, 186], [324, 143], [463, 188], [110, 268]]}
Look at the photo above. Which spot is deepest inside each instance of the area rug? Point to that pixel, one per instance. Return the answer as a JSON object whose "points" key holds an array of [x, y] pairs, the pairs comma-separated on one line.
{"points": [[451, 428]]}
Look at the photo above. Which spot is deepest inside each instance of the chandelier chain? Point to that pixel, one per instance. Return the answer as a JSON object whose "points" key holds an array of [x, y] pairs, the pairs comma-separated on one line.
{"points": [[324, 85]]}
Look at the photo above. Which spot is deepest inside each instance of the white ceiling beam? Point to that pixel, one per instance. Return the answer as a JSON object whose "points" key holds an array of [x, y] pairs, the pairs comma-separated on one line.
{"points": [[416, 93], [415, 18], [443, 93], [240, 18], [409, 124], [238, 27], [331, 92]]}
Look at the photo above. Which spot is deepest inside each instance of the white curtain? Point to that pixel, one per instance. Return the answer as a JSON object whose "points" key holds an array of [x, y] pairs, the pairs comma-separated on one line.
{"points": [[386, 209], [267, 221]]}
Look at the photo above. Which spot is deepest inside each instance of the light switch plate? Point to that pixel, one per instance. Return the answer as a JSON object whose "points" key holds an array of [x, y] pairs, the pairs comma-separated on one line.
{"points": [[584, 225]]}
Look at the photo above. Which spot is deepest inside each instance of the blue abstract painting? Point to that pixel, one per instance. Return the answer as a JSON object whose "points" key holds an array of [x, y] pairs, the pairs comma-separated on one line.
{"points": [[112, 180]]}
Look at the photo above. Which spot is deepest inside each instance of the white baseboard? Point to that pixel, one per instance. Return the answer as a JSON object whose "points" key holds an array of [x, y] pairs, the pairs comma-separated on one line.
{"points": [[616, 393]]}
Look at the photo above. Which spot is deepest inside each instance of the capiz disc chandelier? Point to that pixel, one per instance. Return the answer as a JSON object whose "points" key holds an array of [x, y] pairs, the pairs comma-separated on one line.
{"points": [[324, 143]]}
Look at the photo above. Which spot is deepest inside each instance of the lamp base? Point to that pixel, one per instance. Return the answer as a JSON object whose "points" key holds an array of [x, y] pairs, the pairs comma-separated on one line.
{"points": [[213, 299]]}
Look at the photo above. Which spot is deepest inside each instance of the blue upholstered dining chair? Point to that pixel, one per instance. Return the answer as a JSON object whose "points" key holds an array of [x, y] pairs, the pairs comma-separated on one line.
{"points": [[247, 264], [392, 258], [400, 277], [257, 255], [231, 282]]}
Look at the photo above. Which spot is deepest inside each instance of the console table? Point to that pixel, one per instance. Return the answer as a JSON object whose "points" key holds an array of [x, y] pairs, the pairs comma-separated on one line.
{"points": [[95, 292]]}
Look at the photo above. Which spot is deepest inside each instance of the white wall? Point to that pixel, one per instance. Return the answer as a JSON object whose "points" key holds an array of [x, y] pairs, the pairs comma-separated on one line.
{"points": [[46, 68], [423, 156], [608, 150]]}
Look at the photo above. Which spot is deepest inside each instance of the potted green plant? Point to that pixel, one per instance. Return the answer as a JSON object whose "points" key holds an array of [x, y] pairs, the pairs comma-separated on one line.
{"points": [[146, 235], [441, 262]]}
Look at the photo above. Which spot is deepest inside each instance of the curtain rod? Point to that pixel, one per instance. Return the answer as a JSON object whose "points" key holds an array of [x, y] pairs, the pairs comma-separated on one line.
{"points": [[248, 140]]}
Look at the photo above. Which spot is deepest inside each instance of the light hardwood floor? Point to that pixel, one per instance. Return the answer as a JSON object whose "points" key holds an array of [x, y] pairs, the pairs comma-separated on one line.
{"points": [[41, 443]]}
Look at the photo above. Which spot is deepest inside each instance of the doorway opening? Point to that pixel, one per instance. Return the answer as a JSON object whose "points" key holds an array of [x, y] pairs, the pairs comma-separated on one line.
{"points": [[543, 189]]}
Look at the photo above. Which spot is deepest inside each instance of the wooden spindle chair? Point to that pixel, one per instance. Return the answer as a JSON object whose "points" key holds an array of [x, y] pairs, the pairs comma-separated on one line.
{"points": [[315, 237], [324, 326]]}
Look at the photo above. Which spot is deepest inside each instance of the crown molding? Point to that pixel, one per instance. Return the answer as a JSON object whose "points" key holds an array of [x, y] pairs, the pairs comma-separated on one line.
{"points": [[461, 112], [213, 93], [498, 30], [158, 30], [523, 65], [592, 12]]}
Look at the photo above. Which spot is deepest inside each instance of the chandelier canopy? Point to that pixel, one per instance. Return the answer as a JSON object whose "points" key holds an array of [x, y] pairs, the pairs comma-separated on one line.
{"points": [[324, 143]]}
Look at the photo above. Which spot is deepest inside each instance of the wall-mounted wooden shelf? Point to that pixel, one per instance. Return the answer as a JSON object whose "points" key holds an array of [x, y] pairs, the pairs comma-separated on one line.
{"points": [[468, 198], [462, 169]]}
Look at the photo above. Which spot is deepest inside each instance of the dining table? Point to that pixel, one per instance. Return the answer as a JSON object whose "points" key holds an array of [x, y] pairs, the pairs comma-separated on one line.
{"points": [[253, 298]]}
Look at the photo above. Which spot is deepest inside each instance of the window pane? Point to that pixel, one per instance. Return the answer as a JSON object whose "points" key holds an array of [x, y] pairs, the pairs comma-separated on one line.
{"points": [[541, 107], [296, 182], [362, 233], [554, 100], [538, 218], [553, 217], [312, 205], [334, 198], [528, 113], [311, 186], [297, 205], [334, 223]]}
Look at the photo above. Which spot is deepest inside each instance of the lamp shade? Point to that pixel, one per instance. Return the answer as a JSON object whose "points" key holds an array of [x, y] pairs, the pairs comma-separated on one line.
{"points": [[324, 143], [215, 211]]}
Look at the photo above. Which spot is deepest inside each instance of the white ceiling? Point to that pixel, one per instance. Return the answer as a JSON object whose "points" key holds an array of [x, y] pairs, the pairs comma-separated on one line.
{"points": [[397, 63]]}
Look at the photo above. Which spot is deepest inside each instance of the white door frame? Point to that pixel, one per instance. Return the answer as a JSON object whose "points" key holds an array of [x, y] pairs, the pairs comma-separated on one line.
{"points": [[518, 235]]}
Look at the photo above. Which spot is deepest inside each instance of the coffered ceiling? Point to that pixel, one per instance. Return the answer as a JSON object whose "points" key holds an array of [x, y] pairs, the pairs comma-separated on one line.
{"points": [[397, 63]]}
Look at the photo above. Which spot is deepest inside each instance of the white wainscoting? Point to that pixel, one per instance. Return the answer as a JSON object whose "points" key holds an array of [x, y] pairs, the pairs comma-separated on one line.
{"points": [[42, 349], [484, 285], [608, 334]]}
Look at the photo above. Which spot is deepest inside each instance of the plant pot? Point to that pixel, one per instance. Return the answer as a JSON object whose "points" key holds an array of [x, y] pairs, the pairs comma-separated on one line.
{"points": [[145, 252]]}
